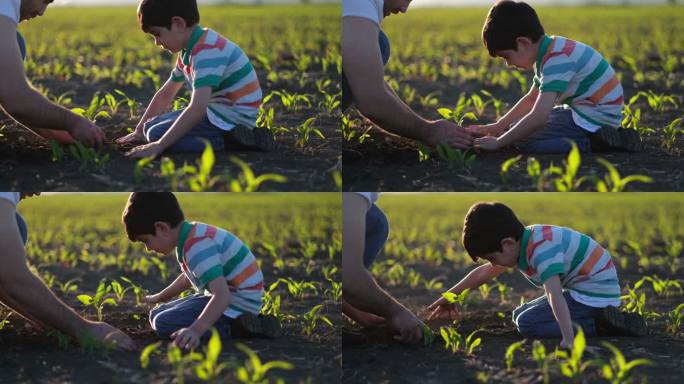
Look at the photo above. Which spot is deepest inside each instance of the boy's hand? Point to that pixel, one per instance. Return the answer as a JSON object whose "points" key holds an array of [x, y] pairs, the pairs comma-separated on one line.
{"points": [[145, 150], [186, 338], [441, 309], [485, 130], [132, 137], [151, 299], [488, 143], [566, 344]]}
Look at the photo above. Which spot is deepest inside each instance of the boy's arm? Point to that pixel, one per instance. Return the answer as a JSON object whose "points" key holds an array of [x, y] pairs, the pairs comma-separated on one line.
{"points": [[559, 306], [520, 109], [189, 337], [174, 289], [160, 101], [474, 279], [525, 127], [190, 117]]}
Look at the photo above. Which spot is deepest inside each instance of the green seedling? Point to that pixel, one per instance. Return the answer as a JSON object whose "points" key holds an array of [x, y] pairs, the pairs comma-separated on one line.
{"points": [[674, 320], [661, 287], [152, 349], [455, 342], [88, 157], [539, 355], [248, 182], [458, 114], [254, 371], [305, 130], [510, 352], [571, 365], [455, 157], [670, 133], [297, 289], [619, 370], [209, 369], [99, 300], [311, 320], [506, 167], [613, 182]]}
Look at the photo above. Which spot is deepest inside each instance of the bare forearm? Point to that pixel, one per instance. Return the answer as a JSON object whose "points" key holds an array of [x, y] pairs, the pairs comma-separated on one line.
{"points": [[523, 129], [211, 313], [390, 113], [174, 289], [160, 101], [520, 109], [364, 293], [29, 296], [562, 314], [190, 117], [31, 109], [474, 279]]}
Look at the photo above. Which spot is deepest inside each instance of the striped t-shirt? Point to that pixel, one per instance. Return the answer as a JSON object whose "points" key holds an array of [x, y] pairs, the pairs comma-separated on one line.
{"points": [[583, 79], [210, 60], [584, 267], [205, 253]]}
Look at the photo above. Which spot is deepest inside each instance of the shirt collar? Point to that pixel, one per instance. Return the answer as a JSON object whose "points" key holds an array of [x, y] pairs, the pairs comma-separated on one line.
{"points": [[194, 38], [182, 237], [522, 257], [546, 41]]}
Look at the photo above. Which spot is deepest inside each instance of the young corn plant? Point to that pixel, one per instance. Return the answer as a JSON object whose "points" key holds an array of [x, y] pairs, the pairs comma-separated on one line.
{"points": [[305, 130], [152, 349], [484, 289], [138, 291], [539, 355], [458, 114], [312, 318], [619, 370], [459, 299], [254, 371], [94, 110], [510, 353], [661, 287], [248, 182], [567, 180], [670, 133], [571, 365], [507, 166], [455, 157], [674, 320], [99, 300], [88, 157], [455, 342], [209, 369], [613, 182], [296, 288], [180, 362]]}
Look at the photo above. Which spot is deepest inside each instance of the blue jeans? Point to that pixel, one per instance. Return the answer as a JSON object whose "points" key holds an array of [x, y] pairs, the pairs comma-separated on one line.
{"points": [[535, 319], [156, 127], [23, 229], [172, 316], [377, 231], [553, 138], [347, 97], [22, 45]]}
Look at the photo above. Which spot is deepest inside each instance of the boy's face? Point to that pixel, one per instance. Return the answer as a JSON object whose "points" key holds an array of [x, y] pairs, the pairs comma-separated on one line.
{"points": [[32, 8], [395, 6], [162, 241], [521, 58], [173, 40], [508, 257]]}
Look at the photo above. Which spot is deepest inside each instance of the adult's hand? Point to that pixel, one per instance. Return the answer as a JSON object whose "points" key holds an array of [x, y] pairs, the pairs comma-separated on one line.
{"points": [[108, 334], [87, 133], [447, 132], [407, 326]]}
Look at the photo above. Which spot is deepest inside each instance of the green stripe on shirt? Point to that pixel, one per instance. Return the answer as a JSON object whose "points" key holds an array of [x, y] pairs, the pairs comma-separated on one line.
{"points": [[236, 76], [235, 260]]}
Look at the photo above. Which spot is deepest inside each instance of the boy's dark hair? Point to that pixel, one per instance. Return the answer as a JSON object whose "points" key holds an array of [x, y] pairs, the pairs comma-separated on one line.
{"points": [[143, 209], [506, 21], [158, 13], [486, 224]]}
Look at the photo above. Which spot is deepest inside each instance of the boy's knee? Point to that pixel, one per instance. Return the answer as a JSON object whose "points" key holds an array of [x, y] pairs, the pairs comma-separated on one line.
{"points": [[525, 325], [152, 132], [162, 325]]}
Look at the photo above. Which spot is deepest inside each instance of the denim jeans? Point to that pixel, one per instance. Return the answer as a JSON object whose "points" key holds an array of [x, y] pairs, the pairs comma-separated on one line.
{"points": [[377, 231], [347, 97], [535, 318], [172, 316], [553, 138], [22, 45], [156, 127], [23, 229]]}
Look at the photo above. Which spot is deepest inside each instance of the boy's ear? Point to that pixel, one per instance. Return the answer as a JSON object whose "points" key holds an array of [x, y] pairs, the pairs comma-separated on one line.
{"points": [[507, 242], [161, 226], [178, 22], [523, 43]]}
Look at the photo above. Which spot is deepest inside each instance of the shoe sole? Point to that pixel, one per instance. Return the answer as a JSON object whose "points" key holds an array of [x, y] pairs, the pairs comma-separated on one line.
{"points": [[256, 138], [625, 139], [628, 323], [264, 326]]}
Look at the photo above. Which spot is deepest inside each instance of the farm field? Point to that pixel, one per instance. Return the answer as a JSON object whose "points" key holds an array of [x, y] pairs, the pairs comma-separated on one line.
{"points": [[438, 61], [97, 60], [77, 242], [424, 257]]}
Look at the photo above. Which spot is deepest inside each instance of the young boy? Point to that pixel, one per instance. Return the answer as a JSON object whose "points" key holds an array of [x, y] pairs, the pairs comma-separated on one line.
{"points": [[217, 264], [225, 89], [578, 276], [568, 74]]}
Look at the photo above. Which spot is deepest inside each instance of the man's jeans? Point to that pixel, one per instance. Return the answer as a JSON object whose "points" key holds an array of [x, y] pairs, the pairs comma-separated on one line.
{"points": [[377, 231]]}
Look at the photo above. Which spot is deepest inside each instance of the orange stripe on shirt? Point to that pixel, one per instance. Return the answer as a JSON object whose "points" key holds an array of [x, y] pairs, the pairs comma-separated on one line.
{"points": [[592, 260], [244, 275], [246, 90], [604, 90]]}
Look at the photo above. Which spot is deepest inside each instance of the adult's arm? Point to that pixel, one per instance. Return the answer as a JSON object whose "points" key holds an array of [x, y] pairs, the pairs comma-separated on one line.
{"points": [[25, 104], [363, 68], [25, 293], [360, 288]]}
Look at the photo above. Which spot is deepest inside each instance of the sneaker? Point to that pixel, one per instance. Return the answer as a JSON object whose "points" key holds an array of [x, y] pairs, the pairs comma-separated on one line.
{"points": [[630, 324], [620, 138], [260, 325], [242, 137]]}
